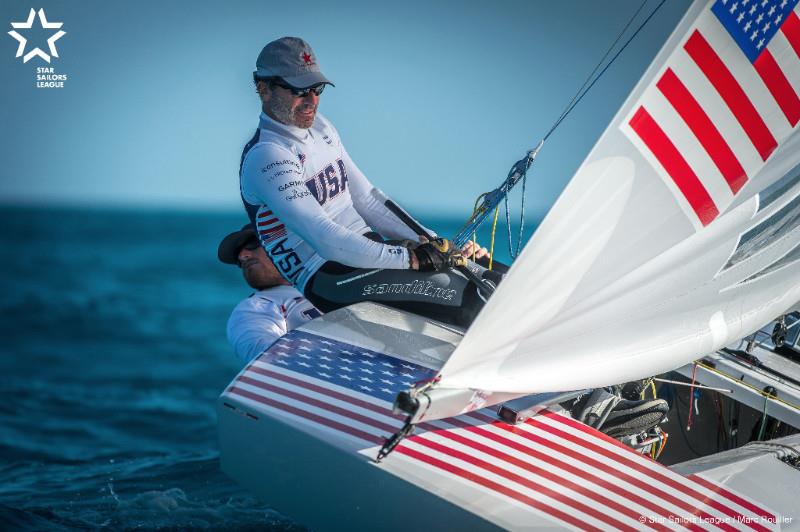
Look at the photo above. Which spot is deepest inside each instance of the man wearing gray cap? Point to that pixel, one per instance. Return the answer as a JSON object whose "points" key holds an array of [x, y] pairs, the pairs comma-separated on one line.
{"points": [[324, 225]]}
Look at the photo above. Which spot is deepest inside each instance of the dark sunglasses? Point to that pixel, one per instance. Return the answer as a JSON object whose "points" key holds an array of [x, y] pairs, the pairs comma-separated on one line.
{"points": [[300, 93]]}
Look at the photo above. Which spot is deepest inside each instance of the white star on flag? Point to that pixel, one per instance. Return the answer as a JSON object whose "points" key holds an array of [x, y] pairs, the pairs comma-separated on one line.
{"points": [[28, 24]]}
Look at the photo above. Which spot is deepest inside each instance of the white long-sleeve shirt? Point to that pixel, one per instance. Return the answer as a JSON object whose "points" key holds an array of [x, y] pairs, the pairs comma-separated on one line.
{"points": [[310, 203], [265, 316]]}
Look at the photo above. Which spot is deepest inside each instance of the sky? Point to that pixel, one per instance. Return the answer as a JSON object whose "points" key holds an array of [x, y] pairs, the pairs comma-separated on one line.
{"points": [[434, 100]]}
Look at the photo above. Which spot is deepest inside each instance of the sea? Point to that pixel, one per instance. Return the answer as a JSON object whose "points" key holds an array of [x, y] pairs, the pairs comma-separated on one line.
{"points": [[113, 354]]}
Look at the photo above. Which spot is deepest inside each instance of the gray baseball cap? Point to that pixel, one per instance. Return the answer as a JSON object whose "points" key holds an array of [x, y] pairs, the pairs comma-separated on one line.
{"points": [[291, 59]]}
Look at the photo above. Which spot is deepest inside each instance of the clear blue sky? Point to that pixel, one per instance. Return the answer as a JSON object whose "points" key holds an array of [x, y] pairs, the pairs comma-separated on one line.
{"points": [[434, 100]]}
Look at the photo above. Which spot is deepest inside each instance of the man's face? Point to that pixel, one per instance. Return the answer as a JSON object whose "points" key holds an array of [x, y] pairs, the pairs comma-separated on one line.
{"points": [[281, 105], [258, 270]]}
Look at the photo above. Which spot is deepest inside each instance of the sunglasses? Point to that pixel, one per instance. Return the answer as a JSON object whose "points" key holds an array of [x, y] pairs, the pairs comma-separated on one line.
{"points": [[301, 93]]}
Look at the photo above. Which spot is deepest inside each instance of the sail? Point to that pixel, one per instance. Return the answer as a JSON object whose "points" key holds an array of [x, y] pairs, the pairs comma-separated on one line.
{"points": [[679, 233]]}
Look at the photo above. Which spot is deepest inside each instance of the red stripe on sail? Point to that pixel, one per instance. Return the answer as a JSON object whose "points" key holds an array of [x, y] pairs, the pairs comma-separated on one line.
{"points": [[791, 30], [778, 86], [307, 415], [267, 222], [494, 486], [675, 165], [744, 503], [319, 404], [264, 214], [732, 93], [549, 475], [703, 128], [664, 479]]}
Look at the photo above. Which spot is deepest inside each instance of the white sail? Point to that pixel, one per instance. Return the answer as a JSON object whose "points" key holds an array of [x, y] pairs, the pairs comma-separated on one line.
{"points": [[679, 233]]}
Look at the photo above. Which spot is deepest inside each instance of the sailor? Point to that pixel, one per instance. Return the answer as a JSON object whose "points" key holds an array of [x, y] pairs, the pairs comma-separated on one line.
{"points": [[277, 307], [324, 225], [273, 310]]}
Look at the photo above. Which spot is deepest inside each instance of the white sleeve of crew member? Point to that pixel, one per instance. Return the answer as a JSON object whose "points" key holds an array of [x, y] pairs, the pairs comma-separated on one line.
{"points": [[369, 202], [302, 214], [254, 325]]}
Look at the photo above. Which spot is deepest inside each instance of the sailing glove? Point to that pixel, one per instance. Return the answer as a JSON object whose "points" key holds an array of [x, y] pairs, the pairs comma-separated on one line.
{"points": [[437, 255]]}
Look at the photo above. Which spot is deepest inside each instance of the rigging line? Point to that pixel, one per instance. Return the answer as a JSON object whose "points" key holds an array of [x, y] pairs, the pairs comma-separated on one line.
{"points": [[762, 393], [520, 168], [691, 398], [763, 420], [577, 99], [602, 60], [698, 386]]}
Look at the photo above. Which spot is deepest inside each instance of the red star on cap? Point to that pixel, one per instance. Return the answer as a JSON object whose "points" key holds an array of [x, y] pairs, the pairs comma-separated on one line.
{"points": [[307, 58]]}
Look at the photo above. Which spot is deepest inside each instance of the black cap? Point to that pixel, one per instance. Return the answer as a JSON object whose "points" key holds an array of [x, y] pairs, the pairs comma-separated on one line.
{"points": [[228, 251]]}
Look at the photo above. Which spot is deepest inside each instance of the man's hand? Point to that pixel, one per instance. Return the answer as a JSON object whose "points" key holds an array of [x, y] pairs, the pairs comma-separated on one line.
{"points": [[473, 247], [436, 255]]}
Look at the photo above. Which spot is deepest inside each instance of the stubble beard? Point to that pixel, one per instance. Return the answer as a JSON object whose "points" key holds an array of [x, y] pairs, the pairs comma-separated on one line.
{"points": [[258, 279], [283, 112]]}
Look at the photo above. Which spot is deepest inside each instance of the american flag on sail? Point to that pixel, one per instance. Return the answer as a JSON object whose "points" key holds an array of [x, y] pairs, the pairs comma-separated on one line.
{"points": [[555, 468], [268, 226], [725, 100]]}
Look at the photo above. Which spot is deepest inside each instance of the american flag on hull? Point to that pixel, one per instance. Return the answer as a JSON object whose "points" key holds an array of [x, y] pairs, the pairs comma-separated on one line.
{"points": [[551, 466], [725, 100]]}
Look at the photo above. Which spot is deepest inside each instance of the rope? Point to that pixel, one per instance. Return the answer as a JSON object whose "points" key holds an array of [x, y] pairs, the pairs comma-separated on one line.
{"points": [[763, 420], [759, 391], [663, 444], [768, 395], [683, 428], [584, 88], [519, 170], [691, 399], [475, 209], [491, 244]]}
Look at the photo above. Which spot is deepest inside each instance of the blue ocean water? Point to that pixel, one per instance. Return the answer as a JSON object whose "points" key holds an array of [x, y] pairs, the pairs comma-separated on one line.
{"points": [[113, 354]]}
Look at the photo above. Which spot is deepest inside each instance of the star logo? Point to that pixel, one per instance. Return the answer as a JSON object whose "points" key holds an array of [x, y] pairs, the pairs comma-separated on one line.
{"points": [[28, 24], [307, 58]]}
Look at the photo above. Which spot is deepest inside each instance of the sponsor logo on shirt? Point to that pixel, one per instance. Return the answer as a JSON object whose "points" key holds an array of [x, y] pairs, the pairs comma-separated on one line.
{"points": [[290, 184], [279, 168], [297, 194]]}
